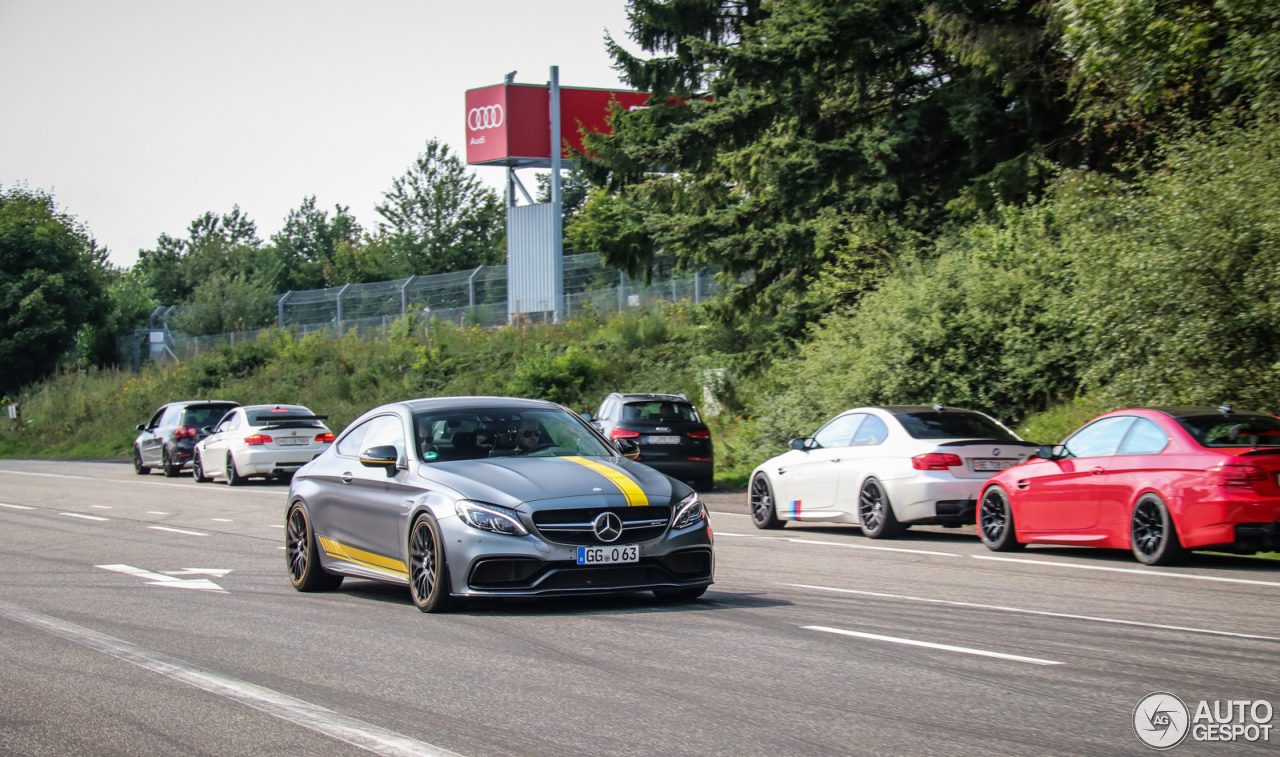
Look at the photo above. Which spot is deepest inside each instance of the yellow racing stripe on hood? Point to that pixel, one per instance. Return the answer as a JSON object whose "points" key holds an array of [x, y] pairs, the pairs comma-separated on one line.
{"points": [[630, 489]]}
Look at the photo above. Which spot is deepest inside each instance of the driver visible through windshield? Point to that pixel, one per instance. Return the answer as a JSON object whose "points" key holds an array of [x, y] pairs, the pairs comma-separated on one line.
{"points": [[482, 433]]}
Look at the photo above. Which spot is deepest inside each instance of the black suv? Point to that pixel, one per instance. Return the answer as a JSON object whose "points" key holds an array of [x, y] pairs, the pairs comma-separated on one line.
{"points": [[168, 439], [672, 437]]}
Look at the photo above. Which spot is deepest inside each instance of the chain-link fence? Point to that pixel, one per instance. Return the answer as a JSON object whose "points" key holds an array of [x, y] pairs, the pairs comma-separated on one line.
{"points": [[476, 297]]}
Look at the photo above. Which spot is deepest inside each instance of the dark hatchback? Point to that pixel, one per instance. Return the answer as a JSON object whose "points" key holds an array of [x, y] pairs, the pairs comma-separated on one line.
{"points": [[169, 438], [671, 435]]}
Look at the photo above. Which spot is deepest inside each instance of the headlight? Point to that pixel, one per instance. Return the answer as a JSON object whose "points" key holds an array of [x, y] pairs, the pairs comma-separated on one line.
{"points": [[689, 512], [499, 520]]}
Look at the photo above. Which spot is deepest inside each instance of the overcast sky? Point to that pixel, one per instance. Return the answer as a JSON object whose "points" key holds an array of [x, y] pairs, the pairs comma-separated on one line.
{"points": [[140, 116]]}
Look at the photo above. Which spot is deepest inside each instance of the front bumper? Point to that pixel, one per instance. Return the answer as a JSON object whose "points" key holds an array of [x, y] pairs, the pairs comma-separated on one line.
{"points": [[494, 565]]}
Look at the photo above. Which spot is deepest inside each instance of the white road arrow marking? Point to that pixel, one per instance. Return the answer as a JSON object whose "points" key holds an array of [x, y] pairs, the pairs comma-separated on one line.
{"points": [[160, 579]]}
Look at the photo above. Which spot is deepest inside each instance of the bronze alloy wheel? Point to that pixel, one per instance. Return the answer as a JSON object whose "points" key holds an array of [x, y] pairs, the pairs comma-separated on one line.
{"points": [[301, 554], [428, 572], [764, 514]]}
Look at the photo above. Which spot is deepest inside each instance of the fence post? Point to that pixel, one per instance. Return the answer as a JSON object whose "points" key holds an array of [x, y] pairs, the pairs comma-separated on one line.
{"points": [[280, 308], [697, 287], [404, 297], [471, 286], [673, 287], [340, 292], [622, 291]]}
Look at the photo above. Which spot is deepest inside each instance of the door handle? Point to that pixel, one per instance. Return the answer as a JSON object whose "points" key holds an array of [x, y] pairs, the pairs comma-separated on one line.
{"points": [[1098, 471], [346, 477], [1024, 483], [835, 460]]}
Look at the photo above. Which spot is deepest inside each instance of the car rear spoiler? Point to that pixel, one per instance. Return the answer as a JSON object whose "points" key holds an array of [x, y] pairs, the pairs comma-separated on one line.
{"points": [[1006, 442], [281, 418]]}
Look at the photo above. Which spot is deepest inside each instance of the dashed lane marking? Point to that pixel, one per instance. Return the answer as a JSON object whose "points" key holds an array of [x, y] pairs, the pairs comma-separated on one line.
{"points": [[931, 645], [177, 530], [1043, 613], [82, 515], [16, 507], [1024, 561], [100, 507], [155, 512], [221, 520], [142, 483], [358, 733]]}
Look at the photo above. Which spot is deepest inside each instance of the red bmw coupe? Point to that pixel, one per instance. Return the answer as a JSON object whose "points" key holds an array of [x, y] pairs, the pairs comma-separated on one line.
{"points": [[1159, 481]]}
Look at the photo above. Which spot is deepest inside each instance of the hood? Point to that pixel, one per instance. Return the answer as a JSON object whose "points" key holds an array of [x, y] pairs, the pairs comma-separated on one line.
{"points": [[517, 481]]}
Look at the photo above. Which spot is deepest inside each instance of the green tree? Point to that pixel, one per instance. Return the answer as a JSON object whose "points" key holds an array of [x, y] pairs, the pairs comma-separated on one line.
{"points": [[438, 217], [1143, 65], [225, 246], [51, 285], [131, 301], [775, 124], [307, 242], [574, 188]]}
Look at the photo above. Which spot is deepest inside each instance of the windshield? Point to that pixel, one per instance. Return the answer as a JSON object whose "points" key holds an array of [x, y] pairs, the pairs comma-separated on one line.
{"points": [[659, 412], [279, 415], [481, 433], [953, 424], [1232, 430], [199, 416]]}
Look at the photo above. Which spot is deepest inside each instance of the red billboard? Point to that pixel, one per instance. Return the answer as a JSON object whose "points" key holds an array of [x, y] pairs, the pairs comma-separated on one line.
{"points": [[510, 124]]}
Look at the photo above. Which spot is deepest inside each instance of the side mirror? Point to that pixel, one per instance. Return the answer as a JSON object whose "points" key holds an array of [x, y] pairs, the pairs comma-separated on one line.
{"points": [[801, 443], [586, 416], [628, 448], [385, 456], [1051, 452], [207, 430], [141, 427]]}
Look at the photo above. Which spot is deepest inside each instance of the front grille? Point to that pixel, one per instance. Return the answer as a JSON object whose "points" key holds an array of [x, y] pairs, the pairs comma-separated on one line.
{"points": [[574, 526], [605, 577]]}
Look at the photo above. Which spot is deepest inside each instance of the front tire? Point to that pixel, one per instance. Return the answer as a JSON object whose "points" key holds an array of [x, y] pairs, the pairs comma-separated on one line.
{"points": [[428, 568], [197, 469], [875, 512], [302, 556], [233, 476], [764, 511], [138, 467], [1152, 534], [995, 521]]}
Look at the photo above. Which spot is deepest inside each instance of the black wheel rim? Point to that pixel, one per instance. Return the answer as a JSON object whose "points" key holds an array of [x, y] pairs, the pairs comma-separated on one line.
{"points": [[296, 546], [1148, 527], [761, 501], [137, 461], [196, 468], [994, 518], [871, 506], [230, 472], [422, 555]]}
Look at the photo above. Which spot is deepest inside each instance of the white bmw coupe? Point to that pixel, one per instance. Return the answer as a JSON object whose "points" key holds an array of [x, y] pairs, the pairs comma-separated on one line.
{"points": [[260, 440], [885, 469]]}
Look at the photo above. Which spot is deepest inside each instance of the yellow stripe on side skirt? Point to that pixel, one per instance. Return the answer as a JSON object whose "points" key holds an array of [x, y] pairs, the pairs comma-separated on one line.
{"points": [[634, 494], [343, 552]]}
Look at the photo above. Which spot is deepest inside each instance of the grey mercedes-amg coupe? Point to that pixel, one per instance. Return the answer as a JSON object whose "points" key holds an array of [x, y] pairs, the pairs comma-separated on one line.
{"points": [[496, 497]]}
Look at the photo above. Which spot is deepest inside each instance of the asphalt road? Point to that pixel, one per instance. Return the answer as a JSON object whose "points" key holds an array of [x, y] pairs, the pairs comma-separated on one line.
{"points": [[813, 641]]}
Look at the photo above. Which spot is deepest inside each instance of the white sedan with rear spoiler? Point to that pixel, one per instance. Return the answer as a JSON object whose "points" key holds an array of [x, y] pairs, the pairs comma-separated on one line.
{"points": [[886, 468], [261, 440]]}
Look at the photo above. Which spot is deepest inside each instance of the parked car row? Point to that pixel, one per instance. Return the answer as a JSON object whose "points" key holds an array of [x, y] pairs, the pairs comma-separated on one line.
{"points": [[1157, 481], [225, 440]]}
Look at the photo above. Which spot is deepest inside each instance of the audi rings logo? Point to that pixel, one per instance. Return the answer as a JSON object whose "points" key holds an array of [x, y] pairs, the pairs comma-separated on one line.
{"points": [[608, 527], [487, 117]]}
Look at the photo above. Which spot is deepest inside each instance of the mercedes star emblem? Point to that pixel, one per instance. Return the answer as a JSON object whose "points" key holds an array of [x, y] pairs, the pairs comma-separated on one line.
{"points": [[608, 527]]}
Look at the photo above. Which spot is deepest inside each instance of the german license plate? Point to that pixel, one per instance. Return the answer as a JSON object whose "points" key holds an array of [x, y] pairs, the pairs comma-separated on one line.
{"points": [[607, 555], [293, 441], [662, 440], [993, 464]]}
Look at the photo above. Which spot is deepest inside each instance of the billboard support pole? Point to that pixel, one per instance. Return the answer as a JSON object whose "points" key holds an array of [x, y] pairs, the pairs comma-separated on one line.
{"points": [[557, 211]]}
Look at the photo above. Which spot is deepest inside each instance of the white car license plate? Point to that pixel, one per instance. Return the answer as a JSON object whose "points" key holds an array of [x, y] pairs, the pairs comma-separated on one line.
{"points": [[293, 441], [662, 440], [993, 464], [607, 555]]}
